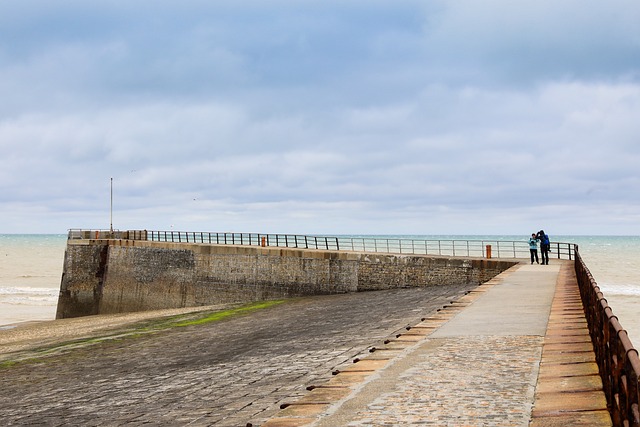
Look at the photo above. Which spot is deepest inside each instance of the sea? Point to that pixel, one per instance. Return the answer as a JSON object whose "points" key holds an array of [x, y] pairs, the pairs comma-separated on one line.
{"points": [[31, 272]]}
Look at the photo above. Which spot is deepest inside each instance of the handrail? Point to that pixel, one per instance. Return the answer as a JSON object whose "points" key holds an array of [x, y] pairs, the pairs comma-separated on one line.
{"points": [[617, 359], [443, 247]]}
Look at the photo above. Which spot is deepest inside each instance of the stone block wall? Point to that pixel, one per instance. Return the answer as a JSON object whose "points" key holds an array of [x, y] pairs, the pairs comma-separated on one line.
{"points": [[116, 276]]}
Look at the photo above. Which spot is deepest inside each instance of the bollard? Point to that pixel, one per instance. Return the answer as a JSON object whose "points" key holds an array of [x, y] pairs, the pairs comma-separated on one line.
{"points": [[488, 251], [264, 242], [97, 235]]}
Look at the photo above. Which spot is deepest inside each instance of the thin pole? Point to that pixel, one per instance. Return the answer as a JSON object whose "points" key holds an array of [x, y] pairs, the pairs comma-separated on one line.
{"points": [[111, 209]]}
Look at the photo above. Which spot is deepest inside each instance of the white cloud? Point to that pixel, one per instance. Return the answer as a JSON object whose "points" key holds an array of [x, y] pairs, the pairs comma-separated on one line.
{"points": [[366, 117]]}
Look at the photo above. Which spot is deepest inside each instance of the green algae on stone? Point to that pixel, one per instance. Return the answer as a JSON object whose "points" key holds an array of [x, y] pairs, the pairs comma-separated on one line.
{"points": [[220, 315]]}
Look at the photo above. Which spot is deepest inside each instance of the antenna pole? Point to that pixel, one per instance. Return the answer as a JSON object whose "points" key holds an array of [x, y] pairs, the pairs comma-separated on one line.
{"points": [[111, 210]]}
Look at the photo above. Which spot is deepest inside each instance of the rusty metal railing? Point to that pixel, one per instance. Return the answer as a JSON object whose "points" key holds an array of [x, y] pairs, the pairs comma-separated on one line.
{"points": [[617, 359]]}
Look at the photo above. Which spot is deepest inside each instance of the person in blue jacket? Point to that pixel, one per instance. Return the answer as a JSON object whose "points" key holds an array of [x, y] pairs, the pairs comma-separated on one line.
{"points": [[533, 248], [545, 245]]}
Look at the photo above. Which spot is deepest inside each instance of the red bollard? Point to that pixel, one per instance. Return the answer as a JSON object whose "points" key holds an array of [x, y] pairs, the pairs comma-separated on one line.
{"points": [[488, 251], [264, 242]]}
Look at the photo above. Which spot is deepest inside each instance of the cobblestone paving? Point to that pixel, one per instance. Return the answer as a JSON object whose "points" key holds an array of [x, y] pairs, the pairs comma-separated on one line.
{"points": [[465, 381], [225, 374]]}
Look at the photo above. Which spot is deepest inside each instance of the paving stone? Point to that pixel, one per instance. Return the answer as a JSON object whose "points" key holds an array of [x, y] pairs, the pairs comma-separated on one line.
{"points": [[239, 370]]}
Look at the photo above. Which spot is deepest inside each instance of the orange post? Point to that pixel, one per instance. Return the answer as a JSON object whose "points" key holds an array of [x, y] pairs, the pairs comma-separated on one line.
{"points": [[488, 251], [264, 242]]}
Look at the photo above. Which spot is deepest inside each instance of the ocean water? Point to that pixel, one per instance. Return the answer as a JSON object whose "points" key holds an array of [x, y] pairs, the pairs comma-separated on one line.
{"points": [[30, 275], [31, 271]]}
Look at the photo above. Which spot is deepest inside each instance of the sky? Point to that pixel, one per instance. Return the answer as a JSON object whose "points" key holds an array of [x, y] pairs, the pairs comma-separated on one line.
{"points": [[321, 117]]}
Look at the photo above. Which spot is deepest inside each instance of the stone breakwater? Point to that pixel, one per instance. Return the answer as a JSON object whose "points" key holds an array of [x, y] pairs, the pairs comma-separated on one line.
{"points": [[116, 276]]}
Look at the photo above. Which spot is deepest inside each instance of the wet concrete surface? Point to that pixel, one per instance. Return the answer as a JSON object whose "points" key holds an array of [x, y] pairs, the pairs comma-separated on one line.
{"points": [[227, 373]]}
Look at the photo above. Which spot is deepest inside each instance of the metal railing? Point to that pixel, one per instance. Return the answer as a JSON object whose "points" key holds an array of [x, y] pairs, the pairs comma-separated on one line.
{"points": [[76, 233], [443, 247], [617, 359], [249, 239], [466, 248]]}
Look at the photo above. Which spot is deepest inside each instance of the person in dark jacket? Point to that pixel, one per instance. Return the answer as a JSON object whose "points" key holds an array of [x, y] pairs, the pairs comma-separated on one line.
{"points": [[545, 245]]}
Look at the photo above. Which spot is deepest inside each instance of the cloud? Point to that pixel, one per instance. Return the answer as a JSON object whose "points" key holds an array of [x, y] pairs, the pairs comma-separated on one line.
{"points": [[321, 117]]}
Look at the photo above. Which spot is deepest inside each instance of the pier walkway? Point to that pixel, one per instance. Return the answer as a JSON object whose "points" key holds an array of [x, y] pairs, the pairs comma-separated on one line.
{"points": [[514, 352]]}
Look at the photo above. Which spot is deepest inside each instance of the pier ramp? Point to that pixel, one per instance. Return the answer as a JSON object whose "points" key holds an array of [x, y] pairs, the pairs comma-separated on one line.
{"points": [[514, 352]]}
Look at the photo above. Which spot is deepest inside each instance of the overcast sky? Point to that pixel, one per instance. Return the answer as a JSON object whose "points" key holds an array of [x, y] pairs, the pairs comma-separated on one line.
{"points": [[321, 117]]}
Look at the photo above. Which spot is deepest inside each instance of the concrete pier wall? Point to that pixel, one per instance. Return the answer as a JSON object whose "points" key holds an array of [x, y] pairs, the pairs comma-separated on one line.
{"points": [[117, 276]]}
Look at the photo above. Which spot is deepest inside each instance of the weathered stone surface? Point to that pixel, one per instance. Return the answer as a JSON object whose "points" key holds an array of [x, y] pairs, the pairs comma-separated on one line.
{"points": [[225, 374], [117, 276]]}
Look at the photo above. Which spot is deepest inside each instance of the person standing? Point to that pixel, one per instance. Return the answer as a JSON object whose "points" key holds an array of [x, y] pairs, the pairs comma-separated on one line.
{"points": [[545, 245], [533, 248]]}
